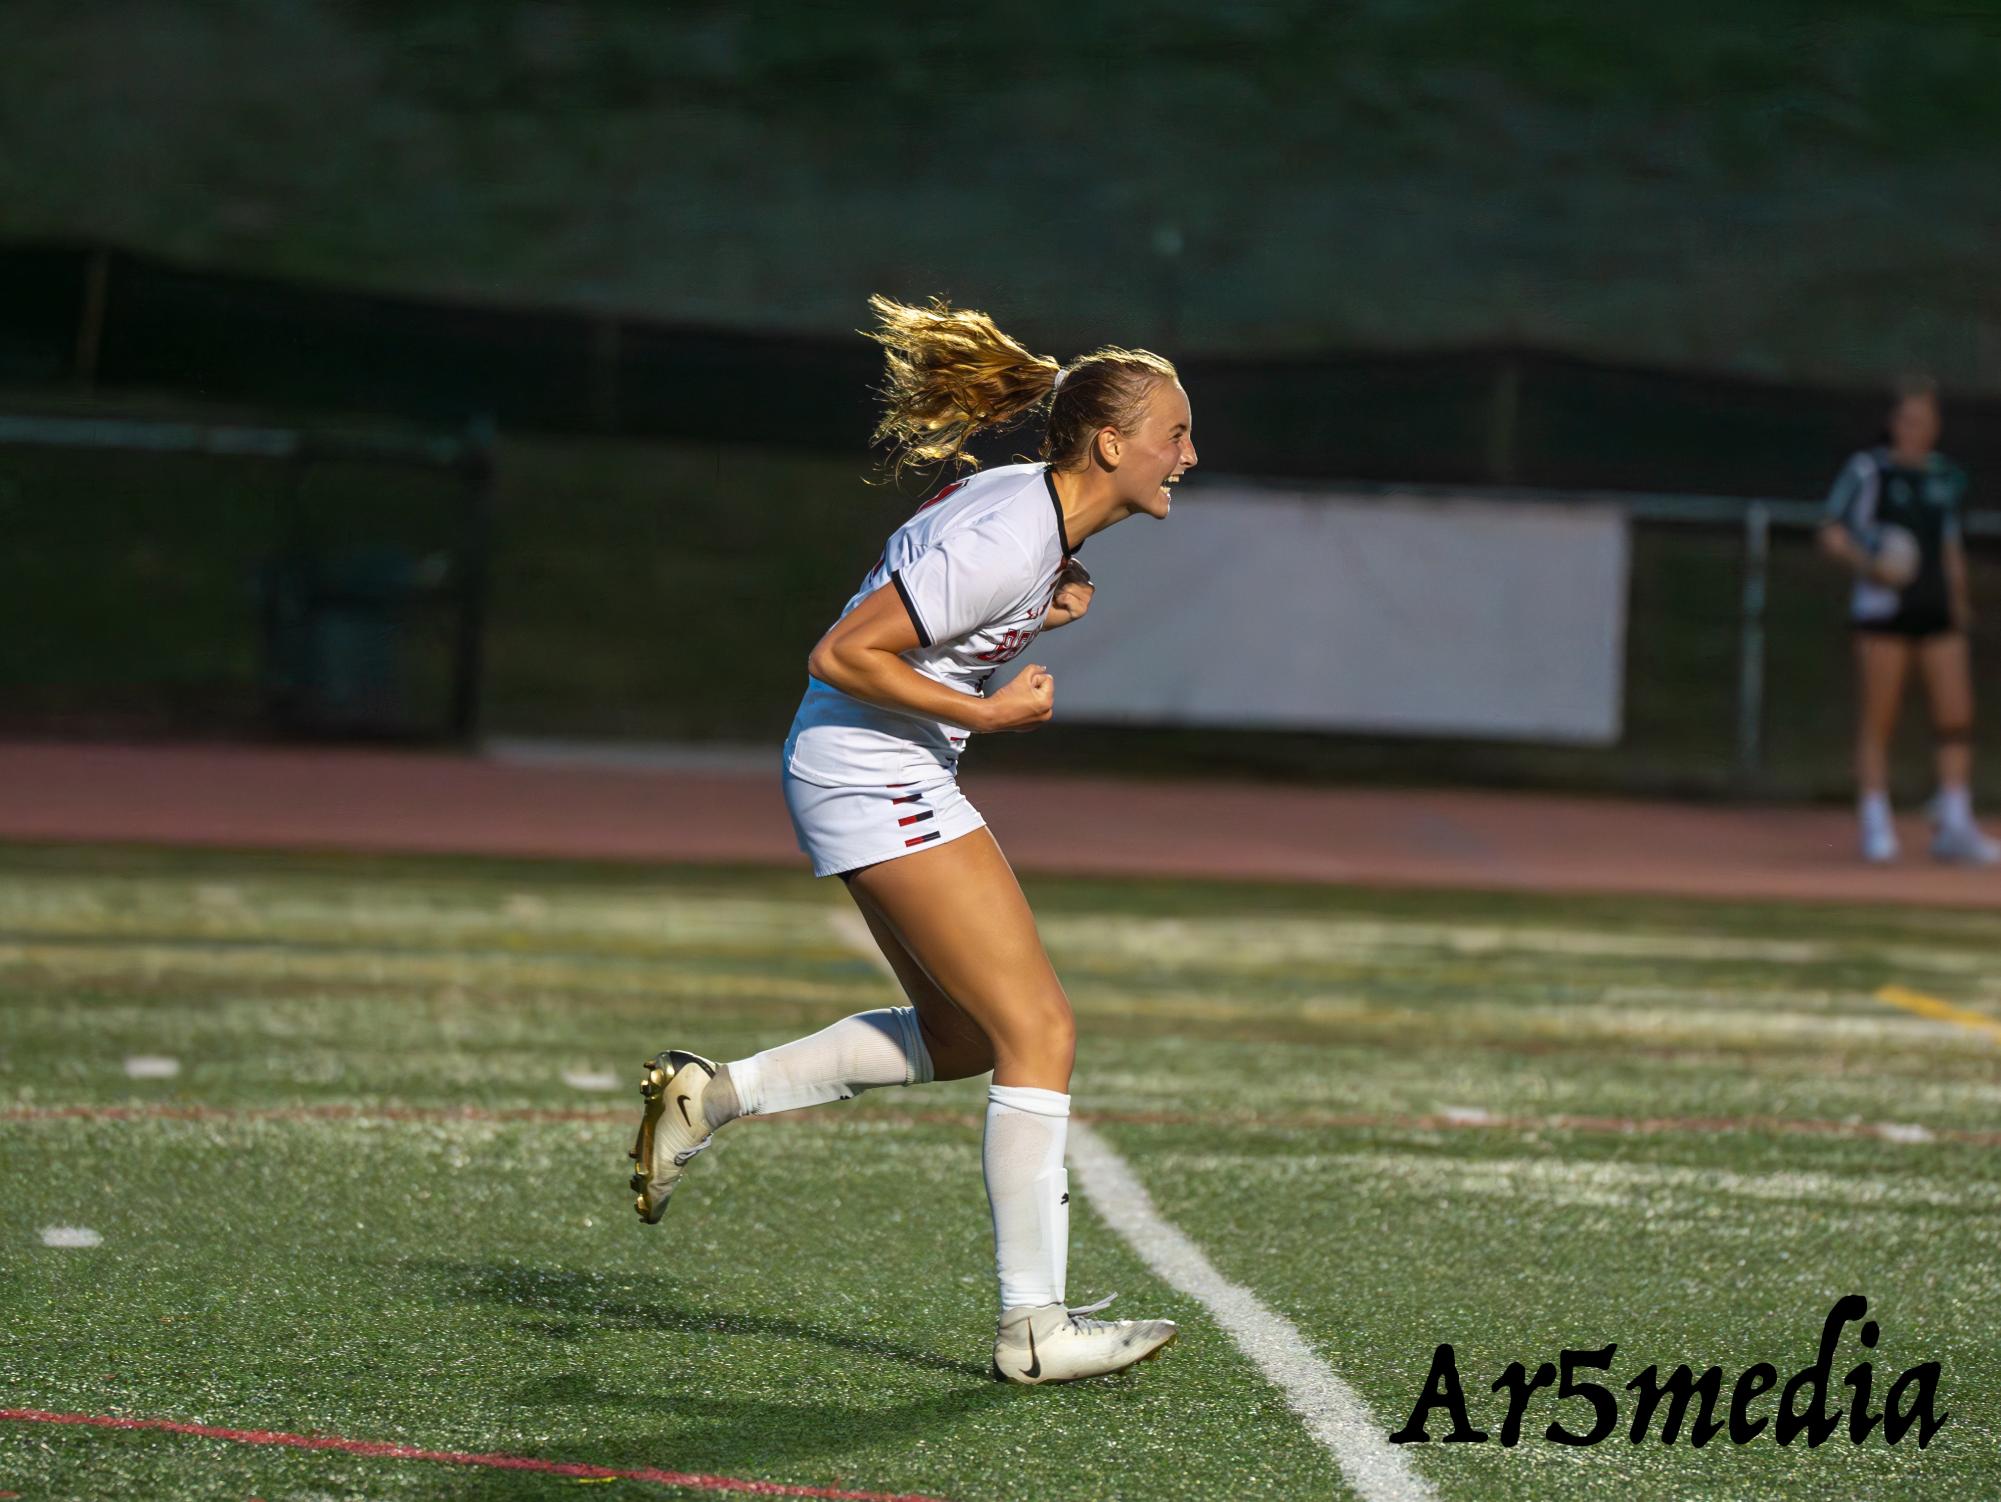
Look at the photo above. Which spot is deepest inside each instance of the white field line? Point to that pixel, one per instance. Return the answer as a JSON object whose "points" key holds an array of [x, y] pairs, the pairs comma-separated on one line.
{"points": [[72, 1236], [1897, 1131], [148, 1066], [1332, 1411]]}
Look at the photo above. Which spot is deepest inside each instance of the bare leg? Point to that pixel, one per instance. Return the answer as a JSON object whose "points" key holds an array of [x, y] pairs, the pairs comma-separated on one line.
{"points": [[1881, 662], [957, 933], [959, 913], [1947, 668], [959, 1049]]}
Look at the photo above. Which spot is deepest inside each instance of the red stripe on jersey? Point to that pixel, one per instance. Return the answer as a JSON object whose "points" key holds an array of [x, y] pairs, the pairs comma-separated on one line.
{"points": [[955, 485], [909, 798], [922, 839], [917, 818]]}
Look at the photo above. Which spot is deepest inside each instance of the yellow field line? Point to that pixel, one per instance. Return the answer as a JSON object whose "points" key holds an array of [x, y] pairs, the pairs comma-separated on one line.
{"points": [[1939, 1011]]}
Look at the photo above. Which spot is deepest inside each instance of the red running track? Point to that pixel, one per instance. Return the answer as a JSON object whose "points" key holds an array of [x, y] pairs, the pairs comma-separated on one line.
{"points": [[413, 802]]}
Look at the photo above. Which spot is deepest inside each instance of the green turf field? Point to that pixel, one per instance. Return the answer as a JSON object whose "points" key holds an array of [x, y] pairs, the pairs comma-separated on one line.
{"points": [[384, 1197]]}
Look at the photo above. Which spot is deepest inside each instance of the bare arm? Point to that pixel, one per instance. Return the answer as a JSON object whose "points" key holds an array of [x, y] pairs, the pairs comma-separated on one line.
{"points": [[862, 656], [1840, 544]]}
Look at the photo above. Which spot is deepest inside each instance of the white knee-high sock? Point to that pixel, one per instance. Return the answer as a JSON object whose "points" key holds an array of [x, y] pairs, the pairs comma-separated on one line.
{"points": [[857, 1053], [1029, 1192]]}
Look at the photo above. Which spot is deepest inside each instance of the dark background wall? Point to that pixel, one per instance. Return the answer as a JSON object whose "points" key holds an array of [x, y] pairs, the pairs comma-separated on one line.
{"points": [[1797, 189], [109, 320]]}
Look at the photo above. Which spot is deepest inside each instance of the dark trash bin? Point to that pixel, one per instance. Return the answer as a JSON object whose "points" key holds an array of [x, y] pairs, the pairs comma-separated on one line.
{"points": [[341, 635]]}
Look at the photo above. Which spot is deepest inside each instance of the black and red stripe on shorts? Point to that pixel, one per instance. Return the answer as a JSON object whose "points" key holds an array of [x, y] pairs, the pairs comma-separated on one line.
{"points": [[919, 814]]}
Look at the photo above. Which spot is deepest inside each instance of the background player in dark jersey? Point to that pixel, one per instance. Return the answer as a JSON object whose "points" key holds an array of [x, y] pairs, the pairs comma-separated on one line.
{"points": [[1903, 615]]}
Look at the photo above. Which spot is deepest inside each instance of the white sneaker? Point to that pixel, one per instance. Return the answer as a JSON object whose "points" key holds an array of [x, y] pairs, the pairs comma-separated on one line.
{"points": [[1879, 843], [1049, 1343], [1964, 845], [672, 1128]]}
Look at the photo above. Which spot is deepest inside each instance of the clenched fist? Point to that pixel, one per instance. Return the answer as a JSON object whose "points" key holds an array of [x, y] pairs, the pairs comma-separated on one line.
{"points": [[1028, 700], [1073, 595]]}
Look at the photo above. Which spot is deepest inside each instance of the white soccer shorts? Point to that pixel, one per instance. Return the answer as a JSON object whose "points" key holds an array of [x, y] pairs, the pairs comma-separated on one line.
{"points": [[842, 828]]}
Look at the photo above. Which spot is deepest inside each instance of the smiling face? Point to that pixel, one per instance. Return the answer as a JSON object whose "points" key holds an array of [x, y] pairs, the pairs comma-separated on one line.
{"points": [[1149, 461]]}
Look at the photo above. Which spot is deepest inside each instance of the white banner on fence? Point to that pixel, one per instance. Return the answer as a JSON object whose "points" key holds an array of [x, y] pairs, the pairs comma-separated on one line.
{"points": [[1261, 608]]}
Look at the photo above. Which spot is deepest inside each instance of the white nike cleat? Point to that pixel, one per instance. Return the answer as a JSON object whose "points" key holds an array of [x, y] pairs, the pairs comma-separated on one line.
{"points": [[1964, 845], [671, 1130], [1879, 844], [1049, 1343]]}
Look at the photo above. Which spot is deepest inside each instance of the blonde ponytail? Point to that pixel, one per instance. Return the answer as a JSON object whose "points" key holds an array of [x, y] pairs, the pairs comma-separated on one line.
{"points": [[950, 373]]}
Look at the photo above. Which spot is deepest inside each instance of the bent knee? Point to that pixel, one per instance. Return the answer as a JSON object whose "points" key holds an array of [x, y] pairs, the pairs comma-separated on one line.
{"points": [[1042, 1027], [958, 1049]]}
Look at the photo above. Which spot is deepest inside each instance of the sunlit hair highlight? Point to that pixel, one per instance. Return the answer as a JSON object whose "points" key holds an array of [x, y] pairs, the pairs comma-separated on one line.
{"points": [[951, 373]]}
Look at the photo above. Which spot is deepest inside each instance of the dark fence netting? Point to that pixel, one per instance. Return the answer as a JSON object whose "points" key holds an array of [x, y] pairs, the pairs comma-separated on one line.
{"points": [[42, 311], [1495, 416]]}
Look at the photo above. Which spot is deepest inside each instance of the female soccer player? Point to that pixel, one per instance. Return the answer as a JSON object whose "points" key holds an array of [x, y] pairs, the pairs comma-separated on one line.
{"points": [[896, 686], [1904, 482]]}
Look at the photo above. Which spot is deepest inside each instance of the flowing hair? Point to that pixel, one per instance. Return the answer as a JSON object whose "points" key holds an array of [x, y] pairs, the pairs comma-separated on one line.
{"points": [[950, 373]]}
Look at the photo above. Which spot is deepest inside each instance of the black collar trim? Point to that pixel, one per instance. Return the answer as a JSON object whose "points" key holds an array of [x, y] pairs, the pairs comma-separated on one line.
{"points": [[1063, 536]]}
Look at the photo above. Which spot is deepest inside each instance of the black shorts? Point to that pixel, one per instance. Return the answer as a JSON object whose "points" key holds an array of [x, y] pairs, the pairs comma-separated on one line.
{"points": [[1915, 621]]}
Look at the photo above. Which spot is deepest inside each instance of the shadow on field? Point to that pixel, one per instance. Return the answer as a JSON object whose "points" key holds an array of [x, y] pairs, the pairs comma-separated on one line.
{"points": [[592, 1302], [712, 1429]]}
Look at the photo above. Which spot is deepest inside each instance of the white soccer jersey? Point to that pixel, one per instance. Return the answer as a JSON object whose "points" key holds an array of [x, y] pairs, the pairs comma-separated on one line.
{"points": [[976, 568]]}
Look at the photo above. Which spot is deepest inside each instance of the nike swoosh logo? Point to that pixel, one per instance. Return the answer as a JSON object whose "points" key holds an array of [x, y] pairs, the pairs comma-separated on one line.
{"points": [[1034, 1361], [682, 1102]]}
